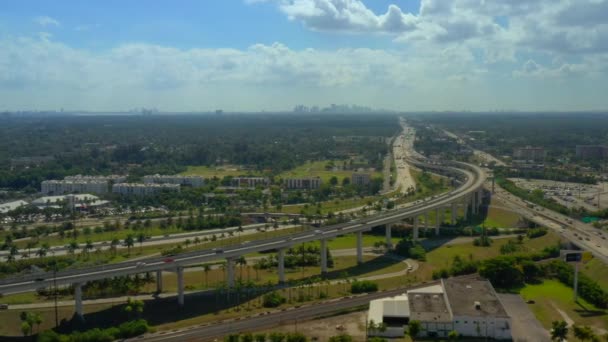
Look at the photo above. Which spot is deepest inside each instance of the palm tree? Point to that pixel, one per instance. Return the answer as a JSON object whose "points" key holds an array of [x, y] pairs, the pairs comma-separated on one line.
{"points": [[113, 244], [72, 247], [559, 330], [129, 242], [88, 247], [206, 269], [12, 253], [141, 238], [241, 261], [41, 252]]}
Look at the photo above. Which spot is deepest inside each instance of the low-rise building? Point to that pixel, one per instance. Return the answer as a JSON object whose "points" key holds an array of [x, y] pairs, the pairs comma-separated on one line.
{"points": [[10, 206], [466, 305], [141, 189], [250, 182], [309, 183], [110, 178], [361, 179], [78, 201], [529, 153], [592, 151], [192, 181], [60, 187]]}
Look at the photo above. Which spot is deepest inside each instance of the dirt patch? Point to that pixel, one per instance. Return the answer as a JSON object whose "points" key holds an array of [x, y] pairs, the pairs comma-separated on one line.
{"points": [[322, 329]]}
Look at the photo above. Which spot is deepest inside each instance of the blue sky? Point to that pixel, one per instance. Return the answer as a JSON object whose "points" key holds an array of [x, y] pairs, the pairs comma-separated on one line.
{"points": [[273, 54]]}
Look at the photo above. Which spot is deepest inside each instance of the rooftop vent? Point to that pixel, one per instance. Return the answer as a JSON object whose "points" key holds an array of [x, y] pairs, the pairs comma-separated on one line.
{"points": [[477, 305]]}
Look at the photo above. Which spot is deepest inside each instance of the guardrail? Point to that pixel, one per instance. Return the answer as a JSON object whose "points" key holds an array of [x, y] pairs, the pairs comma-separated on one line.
{"points": [[474, 179]]}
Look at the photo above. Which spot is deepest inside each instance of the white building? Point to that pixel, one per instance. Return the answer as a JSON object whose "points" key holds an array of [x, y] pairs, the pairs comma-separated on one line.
{"points": [[250, 182], [110, 178], [141, 189], [303, 183], [73, 201], [465, 305], [193, 181], [60, 187], [10, 206], [361, 179]]}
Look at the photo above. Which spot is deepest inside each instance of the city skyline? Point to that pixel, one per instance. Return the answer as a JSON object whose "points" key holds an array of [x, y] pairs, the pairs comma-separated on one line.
{"points": [[256, 55]]}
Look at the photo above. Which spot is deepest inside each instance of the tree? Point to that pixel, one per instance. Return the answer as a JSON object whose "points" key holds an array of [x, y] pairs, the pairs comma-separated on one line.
{"points": [[413, 329], [206, 269], [260, 337], [246, 337], [583, 333], [453, 335], [141, 237], [129, 242], [333, 181], [88, 247], [276, 337], [113, 244], [25, 328], [341, 338], [559, 330], [72, 247]]}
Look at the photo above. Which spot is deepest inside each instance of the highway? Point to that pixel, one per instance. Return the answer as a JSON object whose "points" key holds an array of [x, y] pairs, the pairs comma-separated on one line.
{"points": [[580, 234], [473, 179]]}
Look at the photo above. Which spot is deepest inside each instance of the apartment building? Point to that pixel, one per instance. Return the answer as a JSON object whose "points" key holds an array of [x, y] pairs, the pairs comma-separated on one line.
{"points": [[192, 181], [309, 183], [141, 189]]}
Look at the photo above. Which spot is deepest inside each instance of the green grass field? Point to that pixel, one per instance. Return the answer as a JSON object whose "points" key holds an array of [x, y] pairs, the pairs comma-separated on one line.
{"points": [[317, 169], [443, 256], [552, 296], [596, 270], [219, 171], [500, 218]]}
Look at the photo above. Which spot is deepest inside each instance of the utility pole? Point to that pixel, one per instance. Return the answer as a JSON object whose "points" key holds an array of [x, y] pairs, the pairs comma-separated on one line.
{"points": [[55, 294], [576, 281]]}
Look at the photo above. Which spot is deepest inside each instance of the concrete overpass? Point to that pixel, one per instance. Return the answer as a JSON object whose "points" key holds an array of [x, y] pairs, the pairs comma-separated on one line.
{"points": [[468, 194]]}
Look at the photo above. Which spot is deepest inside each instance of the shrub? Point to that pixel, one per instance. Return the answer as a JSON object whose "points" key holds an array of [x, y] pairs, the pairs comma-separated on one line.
{"points": [[273, 299], [363, 286]]}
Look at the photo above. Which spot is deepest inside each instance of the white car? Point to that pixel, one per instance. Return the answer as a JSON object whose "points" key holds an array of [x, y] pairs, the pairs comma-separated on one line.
{"points": [[140, 264]]}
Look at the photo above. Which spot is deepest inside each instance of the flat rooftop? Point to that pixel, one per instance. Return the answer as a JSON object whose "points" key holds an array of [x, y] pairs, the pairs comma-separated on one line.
{"points": [[428, 307], [462, 295]]}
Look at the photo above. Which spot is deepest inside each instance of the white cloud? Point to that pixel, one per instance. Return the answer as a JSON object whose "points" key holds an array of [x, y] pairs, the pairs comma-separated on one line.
{"points": [[43, 73], [46, 21]]}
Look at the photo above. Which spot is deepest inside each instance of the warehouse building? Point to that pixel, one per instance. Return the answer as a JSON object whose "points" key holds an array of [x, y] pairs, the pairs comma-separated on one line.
{"points": [[465, 305]]}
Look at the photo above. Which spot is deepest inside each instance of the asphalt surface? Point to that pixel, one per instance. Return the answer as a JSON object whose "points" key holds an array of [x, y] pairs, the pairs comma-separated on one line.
{"points": [[524, 326], [217, 330]]}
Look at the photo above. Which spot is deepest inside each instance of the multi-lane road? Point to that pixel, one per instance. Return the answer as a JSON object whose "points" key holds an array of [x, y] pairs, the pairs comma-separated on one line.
{"points": [[582, 235], [472, 177]]}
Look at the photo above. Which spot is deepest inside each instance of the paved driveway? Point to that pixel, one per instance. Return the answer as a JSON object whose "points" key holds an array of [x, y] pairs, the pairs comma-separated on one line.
{"points": [[525, 327]]}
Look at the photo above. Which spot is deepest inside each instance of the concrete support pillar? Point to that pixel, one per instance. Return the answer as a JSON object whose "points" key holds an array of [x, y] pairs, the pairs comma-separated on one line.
{"points": [[480, 197], [415, 228], [389, 242], [474, 203], [159, 281], [438, 219], [427, 220], [281, 265], [180, 286], [323, 256], [359, 247], [465, 209], [230, 272], [78, 300], [453, 213]]}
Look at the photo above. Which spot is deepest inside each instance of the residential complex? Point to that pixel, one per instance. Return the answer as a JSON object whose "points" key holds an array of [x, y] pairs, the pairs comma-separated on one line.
{"points": [[192, 181], [529, 153], [466, 305], [309, 183], [80, 184], [60, 187], [250, 182], [141, 189], [361, 179], [591, 151]]}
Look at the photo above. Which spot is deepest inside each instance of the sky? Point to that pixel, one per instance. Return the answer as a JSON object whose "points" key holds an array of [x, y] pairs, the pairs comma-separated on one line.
{"points": [[254, 55]]}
